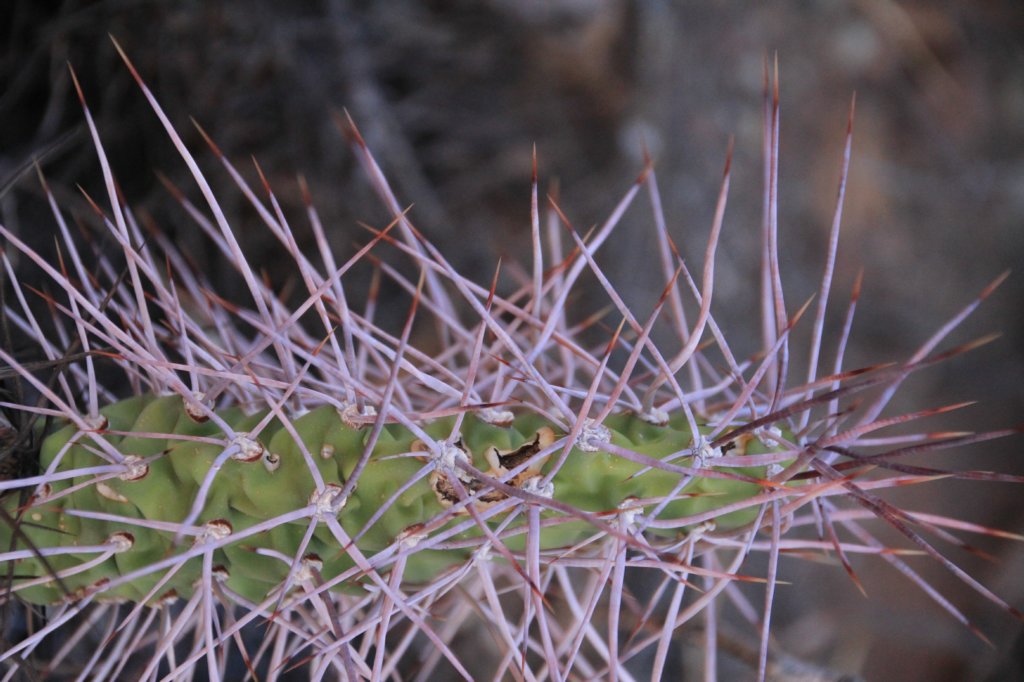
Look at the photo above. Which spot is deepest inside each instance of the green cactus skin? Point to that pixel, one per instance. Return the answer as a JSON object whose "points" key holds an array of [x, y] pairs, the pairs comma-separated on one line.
{"points": [[247, 493]]}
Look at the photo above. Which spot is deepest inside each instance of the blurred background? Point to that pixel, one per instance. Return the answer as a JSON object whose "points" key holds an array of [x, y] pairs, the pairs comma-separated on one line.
{"points": [[451, 96]]}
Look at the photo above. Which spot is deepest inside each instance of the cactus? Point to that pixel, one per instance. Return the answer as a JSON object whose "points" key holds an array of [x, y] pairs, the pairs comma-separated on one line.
{"points": [[299, 486], [260, 482]]}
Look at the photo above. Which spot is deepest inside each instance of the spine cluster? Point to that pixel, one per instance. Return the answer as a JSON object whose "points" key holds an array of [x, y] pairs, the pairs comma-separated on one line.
{"points": [[310, 487]]}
